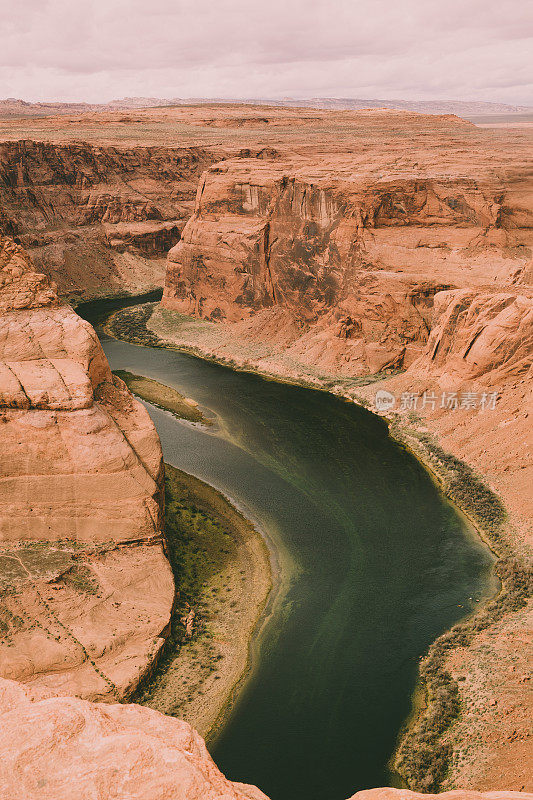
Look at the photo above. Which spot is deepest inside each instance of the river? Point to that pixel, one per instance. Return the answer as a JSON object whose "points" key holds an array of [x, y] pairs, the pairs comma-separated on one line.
{"points": [[373, 562]]}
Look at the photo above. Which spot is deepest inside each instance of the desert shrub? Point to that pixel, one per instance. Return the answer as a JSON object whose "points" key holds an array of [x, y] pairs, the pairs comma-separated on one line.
{"points": [[422, 758], [82, 579], [130, 324]]}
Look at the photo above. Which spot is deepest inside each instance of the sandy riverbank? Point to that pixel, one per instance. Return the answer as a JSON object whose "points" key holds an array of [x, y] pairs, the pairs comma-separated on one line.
{"points": [[222, 570], [163, 397], [473, 724]]}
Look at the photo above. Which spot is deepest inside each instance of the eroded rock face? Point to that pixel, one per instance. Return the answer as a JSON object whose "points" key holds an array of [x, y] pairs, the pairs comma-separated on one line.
{"points": [[363, 254], [86, 587], [410, 254], [480, 335], [98, 220], [61, 748], [482, 342], [355, 246]]}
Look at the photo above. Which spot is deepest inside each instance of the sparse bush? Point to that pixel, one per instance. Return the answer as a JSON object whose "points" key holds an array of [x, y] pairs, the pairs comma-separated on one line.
{"points": [[198, 548], [82, 579], [130, 324]]}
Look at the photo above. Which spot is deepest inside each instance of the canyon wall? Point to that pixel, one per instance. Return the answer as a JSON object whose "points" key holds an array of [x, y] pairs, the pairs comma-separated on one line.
{"points": [[406, 265], [60, 748], [353, 258], [406, 250], [98, 220], [375, 246], [86, 589]]}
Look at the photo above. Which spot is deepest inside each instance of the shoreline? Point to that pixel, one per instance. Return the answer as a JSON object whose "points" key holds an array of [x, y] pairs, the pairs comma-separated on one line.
{"points": [[222, 569], [436, 704], [162, 396]]}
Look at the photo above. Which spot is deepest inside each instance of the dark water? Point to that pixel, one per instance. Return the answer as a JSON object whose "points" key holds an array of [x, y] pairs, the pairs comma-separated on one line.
{"points": [[374, 565]]}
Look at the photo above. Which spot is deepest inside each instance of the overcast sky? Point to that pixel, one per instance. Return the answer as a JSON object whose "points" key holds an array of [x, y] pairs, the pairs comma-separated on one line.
{"points": [[99, 50]]}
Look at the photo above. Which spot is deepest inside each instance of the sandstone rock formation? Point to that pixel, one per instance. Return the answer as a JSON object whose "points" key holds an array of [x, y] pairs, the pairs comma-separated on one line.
{"points": [[410, 254], [61, 748], [479, 358], [329, 246], [410, 251], [86, 587], [479, 334], [481, 342], [97, 220], [354, 249]]}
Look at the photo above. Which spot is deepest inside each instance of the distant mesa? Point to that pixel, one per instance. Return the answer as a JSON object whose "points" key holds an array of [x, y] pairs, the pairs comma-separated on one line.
{"points": [[13, 107]]}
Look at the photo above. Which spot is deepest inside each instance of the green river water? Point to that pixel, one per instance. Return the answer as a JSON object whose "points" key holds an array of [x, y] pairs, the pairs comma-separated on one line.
{"points": [[371, 561]]}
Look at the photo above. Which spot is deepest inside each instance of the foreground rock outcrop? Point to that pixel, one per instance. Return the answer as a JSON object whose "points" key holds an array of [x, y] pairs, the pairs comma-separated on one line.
{"points": [[58, 748], [86, 590]]}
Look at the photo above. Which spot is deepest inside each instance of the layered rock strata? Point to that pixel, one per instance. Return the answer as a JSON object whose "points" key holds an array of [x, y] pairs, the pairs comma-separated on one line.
{"points": [[413, 252], [86, 587], [340, 246], [59, 748], [355, 258], [98, 220]]}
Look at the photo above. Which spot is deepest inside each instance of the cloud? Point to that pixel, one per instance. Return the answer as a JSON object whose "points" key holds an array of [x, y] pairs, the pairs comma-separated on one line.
{"points": [[98, 50]]}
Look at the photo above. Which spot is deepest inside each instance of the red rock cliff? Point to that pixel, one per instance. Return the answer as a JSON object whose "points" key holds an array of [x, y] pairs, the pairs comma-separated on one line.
{"points": [[407, 248], [86, 587], [98, 219], [353, 249], [59, 748]]}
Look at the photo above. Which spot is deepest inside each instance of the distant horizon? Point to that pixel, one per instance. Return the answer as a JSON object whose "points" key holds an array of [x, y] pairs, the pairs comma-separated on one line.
{"points": [[242, 49], [267, 100]]}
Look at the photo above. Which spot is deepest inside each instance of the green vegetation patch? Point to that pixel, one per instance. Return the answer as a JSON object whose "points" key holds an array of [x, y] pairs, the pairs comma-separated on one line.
{"points": [[82, 579], [162, 396], [9, 622], [130, 324], [424, 757], [199, 547], [199, 539], [460, 482], [468, 490]]}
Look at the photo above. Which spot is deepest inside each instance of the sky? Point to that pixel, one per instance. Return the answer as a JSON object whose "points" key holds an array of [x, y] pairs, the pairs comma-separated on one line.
{"points": [[99, 50]]}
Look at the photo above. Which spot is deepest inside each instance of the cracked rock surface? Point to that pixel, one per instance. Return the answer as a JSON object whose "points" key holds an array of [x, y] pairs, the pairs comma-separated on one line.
{"points": [[86, 587]]}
